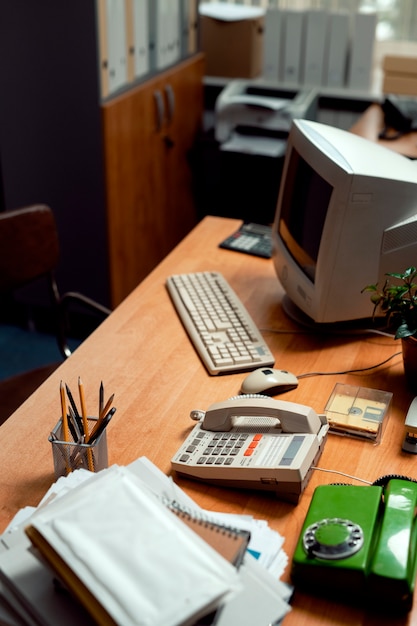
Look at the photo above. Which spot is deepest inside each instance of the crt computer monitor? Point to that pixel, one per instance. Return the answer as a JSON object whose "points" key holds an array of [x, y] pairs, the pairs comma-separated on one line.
{"points": [[346, 215]]}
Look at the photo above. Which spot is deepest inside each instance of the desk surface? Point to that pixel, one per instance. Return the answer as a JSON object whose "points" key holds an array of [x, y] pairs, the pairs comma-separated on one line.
{"points": [[371, 123], [143, 355]]}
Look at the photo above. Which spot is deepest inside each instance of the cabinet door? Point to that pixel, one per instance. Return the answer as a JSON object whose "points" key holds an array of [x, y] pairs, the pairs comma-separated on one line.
{"points": [[148, 177], [184, 105]]}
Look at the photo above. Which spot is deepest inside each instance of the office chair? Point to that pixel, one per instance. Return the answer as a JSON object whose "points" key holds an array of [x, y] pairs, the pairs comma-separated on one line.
{"points": [[29, 251]]}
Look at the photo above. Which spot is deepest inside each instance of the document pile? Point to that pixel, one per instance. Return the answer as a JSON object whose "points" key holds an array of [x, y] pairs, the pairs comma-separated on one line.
{"points": [[127, 546]]}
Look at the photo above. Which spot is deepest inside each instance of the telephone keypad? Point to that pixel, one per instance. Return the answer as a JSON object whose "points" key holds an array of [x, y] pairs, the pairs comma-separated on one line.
{"points": [[221, 448]]}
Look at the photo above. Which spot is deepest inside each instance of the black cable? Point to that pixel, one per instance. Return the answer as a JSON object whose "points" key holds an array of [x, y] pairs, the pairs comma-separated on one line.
{"points": [[338, 332], [326, 330], [353, 371]]}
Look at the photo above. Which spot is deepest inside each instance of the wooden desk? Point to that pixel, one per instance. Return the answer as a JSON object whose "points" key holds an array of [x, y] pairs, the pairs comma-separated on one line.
{"points": [[371, 123], [141, 353]]}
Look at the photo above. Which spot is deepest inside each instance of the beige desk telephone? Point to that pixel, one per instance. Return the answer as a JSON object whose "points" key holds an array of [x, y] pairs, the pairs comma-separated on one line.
{"points": [[254, 442]]}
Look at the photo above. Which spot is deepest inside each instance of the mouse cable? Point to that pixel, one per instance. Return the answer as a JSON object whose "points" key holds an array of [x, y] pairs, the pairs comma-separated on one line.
{"points": [[353, 371], [317, 331]]}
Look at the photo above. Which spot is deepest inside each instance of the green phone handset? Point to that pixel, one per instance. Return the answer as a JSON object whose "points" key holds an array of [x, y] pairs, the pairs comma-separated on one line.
{"points": [[360, 544]]}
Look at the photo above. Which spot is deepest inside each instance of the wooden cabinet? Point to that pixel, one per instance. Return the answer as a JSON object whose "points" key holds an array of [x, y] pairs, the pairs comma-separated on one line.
{"points": [[148, 133], [120, 188]]}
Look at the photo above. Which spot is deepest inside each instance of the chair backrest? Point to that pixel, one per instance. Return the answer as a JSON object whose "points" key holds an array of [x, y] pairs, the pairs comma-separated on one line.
{"points": [[29, 245]]}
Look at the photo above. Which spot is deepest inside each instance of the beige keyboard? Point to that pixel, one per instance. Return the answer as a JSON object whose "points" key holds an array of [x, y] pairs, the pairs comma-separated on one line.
{"points": [[219, 326]]}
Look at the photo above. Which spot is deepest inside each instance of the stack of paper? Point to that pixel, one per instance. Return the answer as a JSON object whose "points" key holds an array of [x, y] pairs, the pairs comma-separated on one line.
{"points": [[120, 549]]}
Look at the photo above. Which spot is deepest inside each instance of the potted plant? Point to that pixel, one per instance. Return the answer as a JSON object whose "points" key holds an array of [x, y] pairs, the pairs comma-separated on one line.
{"points": [[397, 301]]}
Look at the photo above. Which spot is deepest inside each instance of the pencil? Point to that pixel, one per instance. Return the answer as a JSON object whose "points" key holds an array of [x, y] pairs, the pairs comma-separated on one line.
{"points": [[65, 428], [105, 409], [101, 417], [100, 425], [73, 426], [90, 461], [83, 407], [101, 398], [74, 408]]}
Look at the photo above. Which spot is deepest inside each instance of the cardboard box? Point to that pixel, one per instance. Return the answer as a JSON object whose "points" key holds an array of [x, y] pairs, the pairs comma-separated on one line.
{"points": [[397, 64], [400, 75], [403, 84], [232, 48]]}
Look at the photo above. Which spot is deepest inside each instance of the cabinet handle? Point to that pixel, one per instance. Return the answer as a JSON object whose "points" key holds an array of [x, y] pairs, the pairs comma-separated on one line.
{"points": [[170, 97], [159, 104], [169, 142]]}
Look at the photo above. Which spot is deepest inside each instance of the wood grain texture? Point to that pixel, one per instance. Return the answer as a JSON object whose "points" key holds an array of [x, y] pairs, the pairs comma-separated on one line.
{"points": [[143, 355], [150, 206]]}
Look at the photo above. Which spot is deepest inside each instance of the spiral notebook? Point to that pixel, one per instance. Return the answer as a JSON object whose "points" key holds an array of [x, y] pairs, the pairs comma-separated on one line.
{"points": [[231, 543]]}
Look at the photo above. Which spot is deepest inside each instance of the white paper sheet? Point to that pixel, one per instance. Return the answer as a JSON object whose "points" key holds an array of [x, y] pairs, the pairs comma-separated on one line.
{"points": [[256, 145], [229, 12]]}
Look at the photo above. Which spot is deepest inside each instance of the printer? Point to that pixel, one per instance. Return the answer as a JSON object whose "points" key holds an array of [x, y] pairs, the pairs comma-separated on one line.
{"points": [[243, 152], [264, 109]]}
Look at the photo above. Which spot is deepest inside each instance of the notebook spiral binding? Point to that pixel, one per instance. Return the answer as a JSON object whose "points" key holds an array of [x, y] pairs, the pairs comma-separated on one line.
{"points": [[197, 516], [231, 542]]}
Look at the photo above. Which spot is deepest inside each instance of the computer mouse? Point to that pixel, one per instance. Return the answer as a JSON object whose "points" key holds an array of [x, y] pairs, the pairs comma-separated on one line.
{"points": [[269, 381]]}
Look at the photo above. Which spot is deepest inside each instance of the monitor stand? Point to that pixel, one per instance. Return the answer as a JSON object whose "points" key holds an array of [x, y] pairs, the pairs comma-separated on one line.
{"points": [[346, 327]]}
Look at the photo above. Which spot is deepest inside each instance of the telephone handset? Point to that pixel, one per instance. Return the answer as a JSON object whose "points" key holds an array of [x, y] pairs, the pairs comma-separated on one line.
{"points": [[360, 544], [254, 442], [290, 416]]}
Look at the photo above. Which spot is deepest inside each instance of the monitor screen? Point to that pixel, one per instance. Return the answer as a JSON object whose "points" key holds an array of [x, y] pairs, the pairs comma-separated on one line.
{"points": [[304, 207], [346, 214]]}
